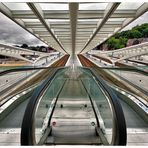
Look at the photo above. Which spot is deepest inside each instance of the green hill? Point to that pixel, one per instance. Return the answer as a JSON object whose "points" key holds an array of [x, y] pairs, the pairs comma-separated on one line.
{"points": [[119, 40]]}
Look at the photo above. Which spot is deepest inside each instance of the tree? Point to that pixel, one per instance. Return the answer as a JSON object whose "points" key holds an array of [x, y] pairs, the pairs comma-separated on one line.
{"points": [[145, 32], [24, 46], [113, 43], [134, 34], [119, 40], [123, 41]]}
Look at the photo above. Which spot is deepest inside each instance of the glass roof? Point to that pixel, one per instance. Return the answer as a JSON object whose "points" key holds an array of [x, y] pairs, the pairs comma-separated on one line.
{"points": [[88, 20], [17, 6], [116, 19], [30, 20], [46, 6], [58, 20], [129, 5], [88, 23], [93, 6]]}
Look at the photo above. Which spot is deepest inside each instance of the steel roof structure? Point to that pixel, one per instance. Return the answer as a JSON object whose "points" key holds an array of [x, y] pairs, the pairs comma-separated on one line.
{"points": [[73, 27]]}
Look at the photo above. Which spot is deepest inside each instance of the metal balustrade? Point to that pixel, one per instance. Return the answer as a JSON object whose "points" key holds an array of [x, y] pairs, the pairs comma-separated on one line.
{"points": [[19, 53], [123, 53]]}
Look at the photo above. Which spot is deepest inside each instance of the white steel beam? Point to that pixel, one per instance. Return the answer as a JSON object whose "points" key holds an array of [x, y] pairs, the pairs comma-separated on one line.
{"points": [[141, 10], [73, 10], [109, 11], [39, 13]]}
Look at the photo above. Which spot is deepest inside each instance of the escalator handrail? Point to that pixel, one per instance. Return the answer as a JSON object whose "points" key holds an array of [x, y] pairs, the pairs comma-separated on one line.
{"points": [[119, 124], [127, 69], [23, 69], [27, 130]]}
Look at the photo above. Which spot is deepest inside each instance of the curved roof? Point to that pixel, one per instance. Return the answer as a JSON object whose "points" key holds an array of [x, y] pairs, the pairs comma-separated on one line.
{"points": [[73, 27]]}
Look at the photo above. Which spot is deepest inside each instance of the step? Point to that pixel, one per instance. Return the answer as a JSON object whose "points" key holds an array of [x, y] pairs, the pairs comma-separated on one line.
{"points": [[87, 140]]}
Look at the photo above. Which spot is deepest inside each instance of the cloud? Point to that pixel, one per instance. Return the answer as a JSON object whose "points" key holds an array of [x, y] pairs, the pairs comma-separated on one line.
{"points": [[141, 20], [11, 33]]}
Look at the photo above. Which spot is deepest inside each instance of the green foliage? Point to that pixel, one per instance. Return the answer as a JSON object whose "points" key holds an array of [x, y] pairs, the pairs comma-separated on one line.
{"points": [[114, 43], [119, 40], [123, 41], [135, 32], [145, 32]]}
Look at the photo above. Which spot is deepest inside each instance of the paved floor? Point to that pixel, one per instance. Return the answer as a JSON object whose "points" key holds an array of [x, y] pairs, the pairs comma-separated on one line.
{"points": [[10, 127], [136, 78], [137, 128]]}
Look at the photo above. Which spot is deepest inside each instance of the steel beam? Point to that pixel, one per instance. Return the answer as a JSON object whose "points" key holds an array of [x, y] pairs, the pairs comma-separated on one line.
{"points": [[109, 11], [39, 13], [73, 10]]}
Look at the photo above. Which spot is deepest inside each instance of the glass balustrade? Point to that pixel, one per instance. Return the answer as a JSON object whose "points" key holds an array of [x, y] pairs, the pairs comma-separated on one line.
{"points": [[101, 104], [46, 104]]}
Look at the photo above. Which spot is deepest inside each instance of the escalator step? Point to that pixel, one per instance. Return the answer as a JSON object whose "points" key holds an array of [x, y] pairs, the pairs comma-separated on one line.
{"points": [[87, 140]]}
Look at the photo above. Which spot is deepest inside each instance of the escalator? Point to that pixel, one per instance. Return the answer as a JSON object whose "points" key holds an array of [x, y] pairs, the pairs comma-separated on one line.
{"points": [[73, 107]]}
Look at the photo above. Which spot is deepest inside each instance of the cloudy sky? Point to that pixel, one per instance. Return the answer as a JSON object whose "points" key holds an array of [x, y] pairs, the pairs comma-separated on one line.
{"points": [[141, 20], [12, 33]]}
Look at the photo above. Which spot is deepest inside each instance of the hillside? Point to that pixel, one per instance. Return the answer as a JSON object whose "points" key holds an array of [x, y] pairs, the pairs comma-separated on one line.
{"points": [[126, 38]]}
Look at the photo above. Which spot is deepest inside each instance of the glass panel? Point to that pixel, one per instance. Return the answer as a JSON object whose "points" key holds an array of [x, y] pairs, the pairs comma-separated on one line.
{"points": [[116, 19], [128, 5], [140, 79], [58, 20], [88, 20], [101, 105], [54, 6], [93, 6], [45, 106], [11, 79], [30, 20], [17, 6]]}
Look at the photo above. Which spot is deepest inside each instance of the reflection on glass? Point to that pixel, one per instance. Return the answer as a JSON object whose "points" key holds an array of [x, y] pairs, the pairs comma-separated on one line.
{"points": [[45, 106], [54, 6], [17, 6], [102, 106], [93, 6]]}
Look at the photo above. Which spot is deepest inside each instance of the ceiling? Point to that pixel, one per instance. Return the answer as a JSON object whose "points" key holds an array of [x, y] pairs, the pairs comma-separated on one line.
{"points": [[73, 27]]}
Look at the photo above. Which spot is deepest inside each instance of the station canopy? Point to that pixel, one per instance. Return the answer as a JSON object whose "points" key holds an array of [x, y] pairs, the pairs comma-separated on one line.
{"points": [[73, 27]]}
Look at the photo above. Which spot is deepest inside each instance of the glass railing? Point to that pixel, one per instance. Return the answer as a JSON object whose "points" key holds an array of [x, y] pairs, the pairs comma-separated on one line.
{"points": [[136, 78], [10, 79], [42, 105], [101, 105], [105, 103], [46, 105]]}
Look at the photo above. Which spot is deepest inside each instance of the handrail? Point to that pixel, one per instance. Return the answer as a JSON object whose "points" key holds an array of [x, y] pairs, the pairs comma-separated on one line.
{"points": [[27, 130], [119, 124], [23, 69], [127, 69], [145, 44]]}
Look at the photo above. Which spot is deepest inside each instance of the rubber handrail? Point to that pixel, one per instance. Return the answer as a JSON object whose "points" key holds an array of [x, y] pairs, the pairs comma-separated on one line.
{"points": [[23, 69]]}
